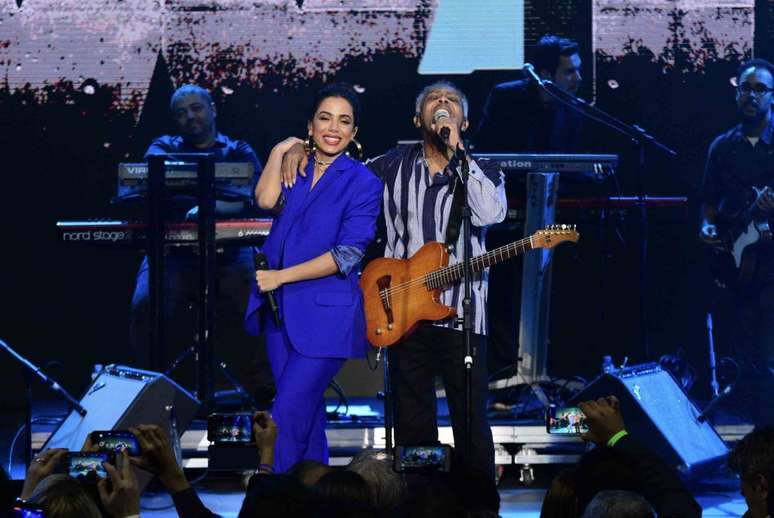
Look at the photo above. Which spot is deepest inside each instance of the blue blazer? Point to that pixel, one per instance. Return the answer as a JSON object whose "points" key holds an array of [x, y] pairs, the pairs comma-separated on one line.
{"points": [[323, 317]]}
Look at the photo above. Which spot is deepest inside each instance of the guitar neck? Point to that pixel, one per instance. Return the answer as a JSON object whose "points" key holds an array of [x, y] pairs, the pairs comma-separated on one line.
{"points": [[451, 274]]}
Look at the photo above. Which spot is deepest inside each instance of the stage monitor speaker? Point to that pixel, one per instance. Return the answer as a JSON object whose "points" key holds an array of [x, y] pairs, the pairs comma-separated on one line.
{"points": [[659, 415], [120, 397]]}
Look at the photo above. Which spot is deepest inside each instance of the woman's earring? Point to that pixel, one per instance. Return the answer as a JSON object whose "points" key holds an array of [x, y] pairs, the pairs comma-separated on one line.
{"points": [[309, 145], [358, 149]]}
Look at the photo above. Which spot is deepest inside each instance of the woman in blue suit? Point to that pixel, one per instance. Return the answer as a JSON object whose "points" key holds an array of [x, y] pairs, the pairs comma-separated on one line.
{"points": [[324, 221]]}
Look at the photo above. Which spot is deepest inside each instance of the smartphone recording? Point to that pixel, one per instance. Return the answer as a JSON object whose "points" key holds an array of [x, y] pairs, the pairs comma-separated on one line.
{"points": [[230, 428], [115, 441], [416, 459], [80, 463], [565, 421]]}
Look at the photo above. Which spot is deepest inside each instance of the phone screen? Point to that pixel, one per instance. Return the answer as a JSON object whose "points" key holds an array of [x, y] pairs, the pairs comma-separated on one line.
{"points": [[27, 510], [230, 428], [423, 458], [565, 421], [115, 441], [80, 463]]}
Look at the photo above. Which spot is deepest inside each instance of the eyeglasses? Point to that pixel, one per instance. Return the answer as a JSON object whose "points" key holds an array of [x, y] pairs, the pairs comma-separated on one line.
{"points": [[759, 89]]}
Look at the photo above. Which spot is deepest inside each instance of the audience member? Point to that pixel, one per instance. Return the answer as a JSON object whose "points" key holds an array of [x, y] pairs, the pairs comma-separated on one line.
{"points": [[561, 500], [753, 460], [120, 497], [275, 496], [158, 457], [432, 498], [620, 462], [618, 504], [43, 465], [478, 492], [308, 472], [343, 493], [7, 493], [387, 487], [64, 497]]}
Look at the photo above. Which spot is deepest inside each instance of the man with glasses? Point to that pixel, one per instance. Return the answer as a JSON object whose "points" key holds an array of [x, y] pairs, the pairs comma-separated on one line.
{"points": [[737, 188]]}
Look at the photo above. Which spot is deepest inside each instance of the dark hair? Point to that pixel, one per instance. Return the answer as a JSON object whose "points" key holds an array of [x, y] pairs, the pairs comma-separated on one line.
{"points": [[308, 472], [64, 497], [275, 496], [754, 454], [343, 90], [188, 90], [387, 487], [560, 500], [754, 63], [604, 468], [343, 493], [546, 54], [612, 504]]}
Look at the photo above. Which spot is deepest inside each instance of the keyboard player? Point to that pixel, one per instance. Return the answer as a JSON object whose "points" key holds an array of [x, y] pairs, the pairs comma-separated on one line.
{"points": [[518, 117], [194, 116]]}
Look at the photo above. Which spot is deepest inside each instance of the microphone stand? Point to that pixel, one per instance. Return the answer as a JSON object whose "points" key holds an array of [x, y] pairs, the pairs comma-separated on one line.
{"points": [[467, 301], [639, 138], [30, 372]]}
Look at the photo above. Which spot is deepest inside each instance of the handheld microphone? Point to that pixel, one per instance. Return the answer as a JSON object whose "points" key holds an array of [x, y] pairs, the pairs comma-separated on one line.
{"points": [[529, 72], [261, 263], [442, 113]]}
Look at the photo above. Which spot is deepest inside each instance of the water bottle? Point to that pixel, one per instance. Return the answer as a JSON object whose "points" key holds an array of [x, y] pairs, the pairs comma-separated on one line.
{"points": [[607, 365]]}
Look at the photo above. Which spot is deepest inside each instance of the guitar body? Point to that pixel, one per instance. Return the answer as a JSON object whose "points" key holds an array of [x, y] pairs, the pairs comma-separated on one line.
{"points": [[400, 293], [735, 264], [391, 318]]}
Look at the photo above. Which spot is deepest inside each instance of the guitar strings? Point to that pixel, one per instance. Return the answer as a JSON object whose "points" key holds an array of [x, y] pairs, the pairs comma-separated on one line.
{"points": [[445, 271]]}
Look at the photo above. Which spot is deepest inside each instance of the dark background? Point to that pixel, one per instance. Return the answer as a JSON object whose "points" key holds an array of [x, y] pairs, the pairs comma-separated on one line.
{"points": [[67, 307]]}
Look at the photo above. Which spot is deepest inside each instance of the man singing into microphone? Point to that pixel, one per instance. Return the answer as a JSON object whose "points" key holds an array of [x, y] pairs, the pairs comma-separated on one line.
{"points": [[422, 203], [519, 117]]}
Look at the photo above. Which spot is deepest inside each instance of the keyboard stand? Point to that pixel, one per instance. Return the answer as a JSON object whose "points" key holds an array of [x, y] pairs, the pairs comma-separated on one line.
{"points": [[205, 336]]}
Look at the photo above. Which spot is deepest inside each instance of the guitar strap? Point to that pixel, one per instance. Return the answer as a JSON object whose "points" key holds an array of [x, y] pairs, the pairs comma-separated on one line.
{"points": [[455, 215]]}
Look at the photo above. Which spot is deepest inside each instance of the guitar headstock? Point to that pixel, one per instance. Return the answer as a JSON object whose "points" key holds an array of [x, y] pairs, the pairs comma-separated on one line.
{"points": [[553, 235]]}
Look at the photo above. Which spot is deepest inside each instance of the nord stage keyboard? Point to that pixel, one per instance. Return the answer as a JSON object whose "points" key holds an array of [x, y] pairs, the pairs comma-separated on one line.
{"points": [[132, 235], [577, 166]]}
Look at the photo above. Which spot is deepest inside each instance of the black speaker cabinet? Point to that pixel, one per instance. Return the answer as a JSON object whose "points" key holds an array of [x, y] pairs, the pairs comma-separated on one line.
{"points": [[120, 397], [659, 414]]}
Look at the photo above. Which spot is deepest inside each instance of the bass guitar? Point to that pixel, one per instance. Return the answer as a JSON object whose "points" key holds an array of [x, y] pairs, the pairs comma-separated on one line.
{"points": [[399, 293], [742, 235]]}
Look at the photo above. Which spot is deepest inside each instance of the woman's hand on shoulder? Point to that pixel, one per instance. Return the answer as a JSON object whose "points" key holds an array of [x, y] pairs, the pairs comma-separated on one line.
{"points": [[294, 160]]}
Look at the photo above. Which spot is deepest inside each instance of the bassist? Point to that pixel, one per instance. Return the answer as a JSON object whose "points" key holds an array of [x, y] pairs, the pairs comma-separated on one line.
{"points": [[736, 192]]}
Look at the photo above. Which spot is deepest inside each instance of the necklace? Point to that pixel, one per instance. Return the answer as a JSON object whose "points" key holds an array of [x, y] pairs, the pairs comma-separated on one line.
{"points": [[320, 163]]}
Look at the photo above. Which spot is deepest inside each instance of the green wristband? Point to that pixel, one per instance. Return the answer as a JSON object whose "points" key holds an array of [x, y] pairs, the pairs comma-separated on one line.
{"points": [[617, 437]]}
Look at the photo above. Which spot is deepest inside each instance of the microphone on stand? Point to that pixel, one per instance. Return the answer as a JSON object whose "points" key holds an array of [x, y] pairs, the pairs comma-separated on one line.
{"points": [[442, 113], [711, 405], [529, 72], [261, 263]]}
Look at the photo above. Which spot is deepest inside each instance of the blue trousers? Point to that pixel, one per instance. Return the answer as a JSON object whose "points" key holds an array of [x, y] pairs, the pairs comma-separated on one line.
{"points": [[299, 407]]}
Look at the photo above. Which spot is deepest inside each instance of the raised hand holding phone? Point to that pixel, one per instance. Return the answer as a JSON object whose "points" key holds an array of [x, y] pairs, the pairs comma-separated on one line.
{"points": [[122, 496], [604, 419]]}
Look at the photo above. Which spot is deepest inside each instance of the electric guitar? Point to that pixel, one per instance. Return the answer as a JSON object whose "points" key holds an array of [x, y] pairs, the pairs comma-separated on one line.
{"points": [[399, 293], [742, 234]]}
